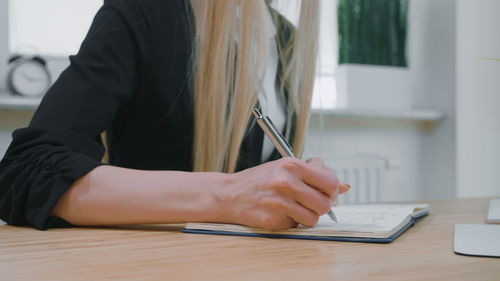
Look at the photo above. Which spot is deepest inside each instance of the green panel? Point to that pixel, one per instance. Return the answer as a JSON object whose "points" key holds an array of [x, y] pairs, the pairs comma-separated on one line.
{"points": [[373, 32]]}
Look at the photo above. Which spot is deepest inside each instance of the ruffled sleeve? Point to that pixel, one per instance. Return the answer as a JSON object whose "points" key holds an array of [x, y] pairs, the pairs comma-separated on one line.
{"points": [[62, 142], [39, 167]]}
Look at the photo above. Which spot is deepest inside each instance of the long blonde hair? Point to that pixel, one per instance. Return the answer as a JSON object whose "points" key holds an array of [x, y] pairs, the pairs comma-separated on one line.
{"points": [[231, 44]]}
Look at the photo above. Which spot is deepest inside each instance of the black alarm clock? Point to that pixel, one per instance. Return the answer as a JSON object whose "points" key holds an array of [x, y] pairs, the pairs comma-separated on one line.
{"points": [[28, 76]]}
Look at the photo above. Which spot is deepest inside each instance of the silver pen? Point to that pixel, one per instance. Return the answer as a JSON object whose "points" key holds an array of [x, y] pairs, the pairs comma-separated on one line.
{"points": [[278, 141]]}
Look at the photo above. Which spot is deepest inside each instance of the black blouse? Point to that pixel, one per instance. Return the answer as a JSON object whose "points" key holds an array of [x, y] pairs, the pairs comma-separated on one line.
{"points": [[129, 78]]}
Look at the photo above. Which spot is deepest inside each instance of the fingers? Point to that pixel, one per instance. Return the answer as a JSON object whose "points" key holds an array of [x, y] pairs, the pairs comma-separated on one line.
{"points": [[316, 187], [308, 197], [316, 161], [285, 213], [344, 187], [302, 215], [318, 178], [275, 220]]}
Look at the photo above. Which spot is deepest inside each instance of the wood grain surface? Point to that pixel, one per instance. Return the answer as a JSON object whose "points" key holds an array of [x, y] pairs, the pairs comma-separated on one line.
{"points": [[162, 252]]}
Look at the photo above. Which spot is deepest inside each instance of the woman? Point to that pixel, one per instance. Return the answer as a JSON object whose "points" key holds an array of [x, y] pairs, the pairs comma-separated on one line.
{"points": [[173, 83]]}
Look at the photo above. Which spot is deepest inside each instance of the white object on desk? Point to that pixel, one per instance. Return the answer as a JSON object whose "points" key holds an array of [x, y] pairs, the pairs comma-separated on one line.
{"points": [[477, 240], [493, 213]]}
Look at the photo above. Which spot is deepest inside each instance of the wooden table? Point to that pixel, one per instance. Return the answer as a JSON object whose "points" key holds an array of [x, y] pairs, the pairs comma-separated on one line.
{"points": [[424, 252]]}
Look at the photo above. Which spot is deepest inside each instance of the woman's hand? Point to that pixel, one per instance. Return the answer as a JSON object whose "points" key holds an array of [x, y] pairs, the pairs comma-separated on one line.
{"points": [[280, 194], [275, 195], [318, 162]]}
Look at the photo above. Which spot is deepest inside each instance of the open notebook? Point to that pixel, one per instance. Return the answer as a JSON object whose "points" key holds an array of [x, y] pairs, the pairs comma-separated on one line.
{"points": [[377, 223]]}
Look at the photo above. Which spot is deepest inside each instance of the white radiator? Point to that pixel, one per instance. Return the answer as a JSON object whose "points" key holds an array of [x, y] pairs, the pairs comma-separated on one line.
{"points": [[365, 174]]}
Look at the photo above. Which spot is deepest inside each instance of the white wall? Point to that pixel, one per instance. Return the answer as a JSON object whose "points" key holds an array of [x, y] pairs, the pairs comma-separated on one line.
{"points": [[38, 26], [4, 50], [432, 62], [12, 119], [4, 44], [422, 157], [478, 100], [398, 141], [9, 121]]}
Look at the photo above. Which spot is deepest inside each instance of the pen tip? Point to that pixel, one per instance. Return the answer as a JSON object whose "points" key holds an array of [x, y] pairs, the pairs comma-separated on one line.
{"points": [[332, 216]]}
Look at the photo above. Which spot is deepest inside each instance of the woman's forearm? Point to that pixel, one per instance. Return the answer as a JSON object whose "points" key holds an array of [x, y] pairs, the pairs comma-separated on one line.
{"points": [[111, 196], [274, 195]]}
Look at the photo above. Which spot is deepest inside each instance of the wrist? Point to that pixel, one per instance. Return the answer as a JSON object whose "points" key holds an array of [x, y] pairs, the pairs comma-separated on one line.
{"points": [[219, 207]]}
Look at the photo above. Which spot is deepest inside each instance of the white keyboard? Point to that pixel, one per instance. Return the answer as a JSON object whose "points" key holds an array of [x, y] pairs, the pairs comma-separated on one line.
{"points": [[493, 213]]}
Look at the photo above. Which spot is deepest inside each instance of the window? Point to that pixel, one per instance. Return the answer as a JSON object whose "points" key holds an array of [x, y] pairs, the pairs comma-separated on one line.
{"points": [[37, 26], [325, 91]]}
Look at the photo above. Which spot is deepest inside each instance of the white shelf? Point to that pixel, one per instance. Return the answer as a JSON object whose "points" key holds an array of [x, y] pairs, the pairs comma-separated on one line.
{"points": [[8, 101], [426, 115], [11, 102]]}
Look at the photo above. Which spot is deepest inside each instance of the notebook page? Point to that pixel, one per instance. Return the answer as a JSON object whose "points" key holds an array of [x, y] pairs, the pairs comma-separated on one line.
{"points": [[353, 221], [365, 218]]}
